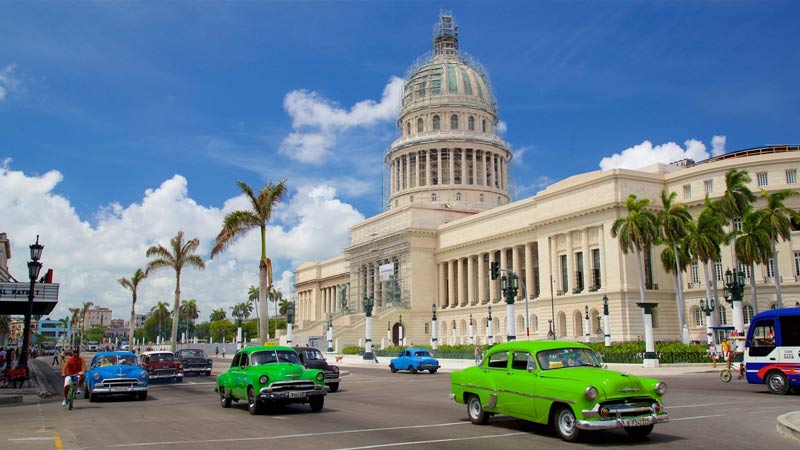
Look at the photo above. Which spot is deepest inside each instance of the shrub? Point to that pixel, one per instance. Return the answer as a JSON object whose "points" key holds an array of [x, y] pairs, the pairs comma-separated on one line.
{"points": [[352, 350]]}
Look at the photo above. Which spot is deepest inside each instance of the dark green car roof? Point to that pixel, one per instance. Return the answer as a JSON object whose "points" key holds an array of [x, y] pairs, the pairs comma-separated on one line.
{"points": [[259, 348]]}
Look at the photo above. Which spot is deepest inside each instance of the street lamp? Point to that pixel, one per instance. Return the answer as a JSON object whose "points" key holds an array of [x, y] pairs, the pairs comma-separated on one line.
{"points": [[471, 331], [708, 309], [434, 332], [289, 323], [586, 324], [368, 303], [509, 285], [489, 336], [401, 331], [34, 266], [733, 293], [606, 323], [550, 332], [330, 332]]}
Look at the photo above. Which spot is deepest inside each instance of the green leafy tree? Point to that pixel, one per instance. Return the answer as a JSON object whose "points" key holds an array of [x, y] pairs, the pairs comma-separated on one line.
{"points": [[132, 283], [252, 297], [189, 313], [736, 199], [217, 314], [778, 220], [160, 313], [180, 254], [283, 306], [672, 222], [96, 333], [202, 330], [636, 232], [222, 328], [753, 245], [274, 296], [703, 240], [239, 223], [84, 310], [75, 320]]}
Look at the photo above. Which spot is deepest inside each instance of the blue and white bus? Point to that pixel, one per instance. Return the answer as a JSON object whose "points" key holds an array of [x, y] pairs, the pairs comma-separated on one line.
{"points": [[772, 350]]}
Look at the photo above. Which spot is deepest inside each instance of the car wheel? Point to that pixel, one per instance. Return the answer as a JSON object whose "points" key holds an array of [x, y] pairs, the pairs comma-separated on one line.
{"points": [[565, 424], [725, 376], [777, 383], [316, 402], [178, 379], [392, 368], [208, 374], [253, 405], [224, 400], [412, 369], [433, 370], [475, 411], [639, 432], [142, 396], [334, 387], [92, 397], [86, 391]]}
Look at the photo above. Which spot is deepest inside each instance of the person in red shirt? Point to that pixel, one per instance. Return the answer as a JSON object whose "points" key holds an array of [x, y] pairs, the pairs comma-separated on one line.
{"points": [[72, 366]]}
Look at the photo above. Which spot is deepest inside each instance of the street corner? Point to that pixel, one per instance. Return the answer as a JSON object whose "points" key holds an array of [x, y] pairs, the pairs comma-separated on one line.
{"points": [[789, 425]]}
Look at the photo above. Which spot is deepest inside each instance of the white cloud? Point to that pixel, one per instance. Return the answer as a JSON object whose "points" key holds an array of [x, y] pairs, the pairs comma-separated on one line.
{"points": [[317, 121], [88, 259], [501, 127], [717, 145], [519, 153], [646, 154], [7, 81]]}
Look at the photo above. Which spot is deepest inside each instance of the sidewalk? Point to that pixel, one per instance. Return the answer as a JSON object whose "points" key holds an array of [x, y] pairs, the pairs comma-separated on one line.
{"points": [[35, 387]]}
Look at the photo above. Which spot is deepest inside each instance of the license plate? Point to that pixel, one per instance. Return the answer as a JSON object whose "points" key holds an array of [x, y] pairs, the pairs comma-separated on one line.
{"points": [[639, 422], [119, 388], [296, 394]]}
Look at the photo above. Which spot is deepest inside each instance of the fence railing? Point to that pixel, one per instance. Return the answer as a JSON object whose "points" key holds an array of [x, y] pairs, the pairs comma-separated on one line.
{"points": [[663, 357]]}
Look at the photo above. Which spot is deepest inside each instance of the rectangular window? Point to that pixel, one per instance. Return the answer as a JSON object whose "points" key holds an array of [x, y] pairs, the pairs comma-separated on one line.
{"points": [[698, 318], [687, 191], [436, 84], [791, 176], [797, 264], [648, 270], [771, 268], [718, 270], [579, 272], [709, 186], [761, 178], [746, 270], [695, 274], [564, 274], [737, 224], [452, 83], [596, 268]]}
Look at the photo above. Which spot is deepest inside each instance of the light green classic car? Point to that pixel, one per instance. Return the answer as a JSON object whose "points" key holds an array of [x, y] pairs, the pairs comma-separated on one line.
{"points": [[270, 375], [562, 384]]}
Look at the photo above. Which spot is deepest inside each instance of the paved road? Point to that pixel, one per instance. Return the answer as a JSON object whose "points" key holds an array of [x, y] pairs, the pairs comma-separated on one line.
{"points": [[376, 409]]}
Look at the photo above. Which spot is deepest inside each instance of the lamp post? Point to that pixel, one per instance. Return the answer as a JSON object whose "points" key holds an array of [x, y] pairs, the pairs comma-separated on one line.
{"points": [[708, 308], [586, 325], [509, 285], [330, 333], [606, 323], [552, 332], [368, 303], [471, 331], [34, 266], [733, 292], [401, 331], [389, 333], [650, 356], [289, 323], [434, 332], [489, 336]]}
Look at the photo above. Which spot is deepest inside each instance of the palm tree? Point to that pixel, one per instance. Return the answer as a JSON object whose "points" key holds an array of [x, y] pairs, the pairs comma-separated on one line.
{"points": [[133, 285], [84, 310], [188, 311], [217, 314], [274, 296], [160, 312], [753, 245], [252, 297], [735, 200], [179, 254], [239, 223], [283, 306], [778, 219], [74, 320], [239, 312], [703, 241], [636, 232], [672, 221]]}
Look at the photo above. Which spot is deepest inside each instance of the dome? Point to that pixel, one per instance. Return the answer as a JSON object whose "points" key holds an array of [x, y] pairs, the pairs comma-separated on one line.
{"points": [[447, 76]]}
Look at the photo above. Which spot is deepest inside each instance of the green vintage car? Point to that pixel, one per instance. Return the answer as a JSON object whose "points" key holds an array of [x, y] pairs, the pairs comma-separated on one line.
{"points": [[270, 375], [562, 384]]}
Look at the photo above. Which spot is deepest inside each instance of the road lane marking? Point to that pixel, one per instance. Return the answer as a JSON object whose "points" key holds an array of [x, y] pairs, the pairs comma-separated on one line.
{"points": [[286, 436], [704, 404], [57, 439], [433, 441], [698, 417], [31, 439]]}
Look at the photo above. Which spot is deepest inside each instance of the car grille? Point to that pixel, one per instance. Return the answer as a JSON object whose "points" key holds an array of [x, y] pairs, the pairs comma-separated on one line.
{"points": [[164, 372], [630, 407], [284, 386], [331, 375], [111, 382], [196, 366]]}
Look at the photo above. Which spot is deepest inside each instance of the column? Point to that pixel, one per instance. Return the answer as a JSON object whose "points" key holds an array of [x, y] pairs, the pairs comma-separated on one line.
{"points": [[460, 278], [601, 244], [490, 158], [451, 287], [474, 167], [485, 173], [587, 260], [504, 165], [492, 283], [439, 165], [408, 171], [529, 271], [442, 285], [452, 162], [480, 277], [418, 172], [391, 176], [503, 265], [470, 280], [516, 268], [427, 167], [570, 265]]}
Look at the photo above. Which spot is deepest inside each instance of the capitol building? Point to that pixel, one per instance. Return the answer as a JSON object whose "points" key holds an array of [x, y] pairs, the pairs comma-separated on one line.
{"points": [[449, 215]]}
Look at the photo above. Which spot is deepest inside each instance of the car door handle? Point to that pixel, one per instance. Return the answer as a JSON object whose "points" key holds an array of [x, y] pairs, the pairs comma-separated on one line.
{"points": [[772, 359]]}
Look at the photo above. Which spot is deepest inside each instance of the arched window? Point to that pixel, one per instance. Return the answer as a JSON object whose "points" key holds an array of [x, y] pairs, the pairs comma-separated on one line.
{"points": [[408, 128], [454, 122], [458, 196], [481, 197], [419, 126], [412, 199], [471, 123], [483, 125], [436, 121], [433, 197]]}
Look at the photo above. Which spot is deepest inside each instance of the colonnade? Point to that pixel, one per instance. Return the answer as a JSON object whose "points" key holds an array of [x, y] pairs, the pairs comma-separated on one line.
{"points": [[449, 166]]}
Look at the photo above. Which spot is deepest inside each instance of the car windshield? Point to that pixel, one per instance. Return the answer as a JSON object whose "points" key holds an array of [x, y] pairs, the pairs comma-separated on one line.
{"points": [[111, 360], [314, 355], [192, 354], [422, 353], [567, 357], [272, 356], [162, 357]]}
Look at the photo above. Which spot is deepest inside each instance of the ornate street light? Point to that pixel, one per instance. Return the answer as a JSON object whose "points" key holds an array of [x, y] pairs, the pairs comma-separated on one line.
{"points": [[34, 266], [489, 336], [401, 331], [289, 323], [434, 332], [606, 323], [368, 303], [733, 293], [330, 332], [509, 285], [471, 331], [586, 324], [708, 308]]}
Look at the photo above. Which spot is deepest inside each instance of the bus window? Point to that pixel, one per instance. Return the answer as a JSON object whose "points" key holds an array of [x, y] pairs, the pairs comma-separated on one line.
{"points": [[762, 340], [790, 331]]}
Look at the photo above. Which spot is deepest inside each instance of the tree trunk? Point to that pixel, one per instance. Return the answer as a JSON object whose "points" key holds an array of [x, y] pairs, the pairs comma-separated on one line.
{"points": [[708, 290], [753, 288], [681, 306], [132, 325], [777, 274], [263, 326], [176, 313]]}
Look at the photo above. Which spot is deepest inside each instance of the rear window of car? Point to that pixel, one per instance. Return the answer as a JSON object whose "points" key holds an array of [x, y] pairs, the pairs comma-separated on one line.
{"points": [[314, 355], [191, 354], [422, 353], [162, 357]]}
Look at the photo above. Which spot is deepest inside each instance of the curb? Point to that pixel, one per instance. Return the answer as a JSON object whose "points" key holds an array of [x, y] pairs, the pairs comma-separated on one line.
{"points": [[10, 399], [789, 425]]}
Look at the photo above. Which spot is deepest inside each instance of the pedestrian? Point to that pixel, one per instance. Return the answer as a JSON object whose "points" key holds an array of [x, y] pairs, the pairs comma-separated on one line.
{"points": [[223, 351], [712, 352], [55, 357], [216, 352], [477, 354]]}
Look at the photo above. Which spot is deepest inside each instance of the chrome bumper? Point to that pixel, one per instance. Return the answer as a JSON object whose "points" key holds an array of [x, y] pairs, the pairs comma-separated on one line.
{"points": [[118, 389], [266, 394], [156, 375], [635, 416], [196, 369]]}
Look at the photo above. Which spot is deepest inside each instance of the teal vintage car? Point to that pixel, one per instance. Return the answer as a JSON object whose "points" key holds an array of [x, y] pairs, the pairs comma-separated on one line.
{"points": [[270, 375], [559, 383]]}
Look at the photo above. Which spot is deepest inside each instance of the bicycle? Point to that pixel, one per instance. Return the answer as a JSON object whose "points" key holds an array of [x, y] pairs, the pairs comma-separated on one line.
{"points": [[73, 389], [726, 374]]}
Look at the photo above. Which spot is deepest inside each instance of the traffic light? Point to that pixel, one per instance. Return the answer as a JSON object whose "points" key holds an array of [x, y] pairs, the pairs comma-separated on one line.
{"points": [[494, 270]]}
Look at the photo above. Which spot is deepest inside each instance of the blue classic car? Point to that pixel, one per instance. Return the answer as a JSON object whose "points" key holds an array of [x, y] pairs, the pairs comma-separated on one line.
{"points": [[113, 373], [414, 360]]}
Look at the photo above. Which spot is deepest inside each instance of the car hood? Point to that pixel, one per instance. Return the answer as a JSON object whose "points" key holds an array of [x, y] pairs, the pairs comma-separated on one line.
{"points": [[615, 384], [194, 360], [281, 370], [117, 371]]}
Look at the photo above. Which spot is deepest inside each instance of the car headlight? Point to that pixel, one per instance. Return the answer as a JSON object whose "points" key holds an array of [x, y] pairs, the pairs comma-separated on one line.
{"points": [[590, 392], [320, 376], [263, 379], [143, 374], [96, 376], [661, 388], [335, 369]]}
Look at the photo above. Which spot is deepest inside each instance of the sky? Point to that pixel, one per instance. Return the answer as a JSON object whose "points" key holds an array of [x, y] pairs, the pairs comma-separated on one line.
{"points": [[123, 122]]}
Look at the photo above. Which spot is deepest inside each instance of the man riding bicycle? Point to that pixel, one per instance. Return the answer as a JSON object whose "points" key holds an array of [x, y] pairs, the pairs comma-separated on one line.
{"points": [[74, 365]]}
